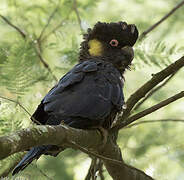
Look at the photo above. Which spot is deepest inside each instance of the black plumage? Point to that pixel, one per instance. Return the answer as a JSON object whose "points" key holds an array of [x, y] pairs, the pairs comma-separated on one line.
{"points": [[85, 96], [90, 94]]}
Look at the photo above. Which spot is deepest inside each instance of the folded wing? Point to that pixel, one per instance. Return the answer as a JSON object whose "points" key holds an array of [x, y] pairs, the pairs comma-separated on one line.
{"points": [[90, 91]]}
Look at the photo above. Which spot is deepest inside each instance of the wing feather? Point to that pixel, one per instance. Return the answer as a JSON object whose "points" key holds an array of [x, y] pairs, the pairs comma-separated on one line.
{"points": [[88, 91]]}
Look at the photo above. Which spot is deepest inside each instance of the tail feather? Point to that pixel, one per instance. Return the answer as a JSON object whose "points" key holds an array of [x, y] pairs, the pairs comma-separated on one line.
{"points": [[33, 154]]}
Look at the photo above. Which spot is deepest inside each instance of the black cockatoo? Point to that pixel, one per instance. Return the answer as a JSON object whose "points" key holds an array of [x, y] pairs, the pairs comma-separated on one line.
{"points": [[90, 94]]}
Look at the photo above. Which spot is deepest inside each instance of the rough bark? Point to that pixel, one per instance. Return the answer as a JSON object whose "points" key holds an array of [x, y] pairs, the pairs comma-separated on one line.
{"points": [[62, 135]]}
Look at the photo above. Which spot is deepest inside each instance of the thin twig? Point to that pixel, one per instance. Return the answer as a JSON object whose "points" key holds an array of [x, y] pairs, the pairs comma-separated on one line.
{"points": [[13, 26], [39, 39], [36, 49], [154, 91], [16, 102], [45, 64], [77, 14], [48, 22], [101, 170], [161, 20], [117, 162], [54, 29], [150, 110], [91, 171], [155, 121], [96, 166], [97, 155]]}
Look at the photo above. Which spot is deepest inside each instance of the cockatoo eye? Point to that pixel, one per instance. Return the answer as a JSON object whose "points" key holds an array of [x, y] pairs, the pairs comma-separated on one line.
{"points": [[114, 42]]}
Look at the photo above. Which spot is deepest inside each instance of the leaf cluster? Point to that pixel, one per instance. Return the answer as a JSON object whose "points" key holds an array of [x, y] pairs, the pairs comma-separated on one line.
{"points": [[20, 68], [158, 54]]}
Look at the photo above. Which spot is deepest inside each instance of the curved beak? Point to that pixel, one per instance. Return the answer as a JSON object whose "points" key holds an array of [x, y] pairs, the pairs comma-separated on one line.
{"points": [[128, 52]]}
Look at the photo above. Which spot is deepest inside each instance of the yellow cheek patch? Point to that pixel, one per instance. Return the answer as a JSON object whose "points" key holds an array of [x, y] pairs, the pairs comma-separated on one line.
{"points": [[95, 47]]}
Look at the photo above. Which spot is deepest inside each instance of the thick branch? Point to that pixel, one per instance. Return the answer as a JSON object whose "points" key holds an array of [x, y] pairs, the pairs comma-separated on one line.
{"points": [[40, 135], [154, 91], [155, 80], [151, 109], [120, 171], [64, 136], [161, 20]]}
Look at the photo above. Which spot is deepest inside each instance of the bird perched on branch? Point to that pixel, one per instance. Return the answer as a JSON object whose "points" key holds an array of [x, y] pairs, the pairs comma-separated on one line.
{"points": [[90, 94]]}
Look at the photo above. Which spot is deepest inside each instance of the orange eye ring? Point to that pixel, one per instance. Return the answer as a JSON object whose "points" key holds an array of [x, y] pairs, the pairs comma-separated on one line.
{"points": [[114, 42]]}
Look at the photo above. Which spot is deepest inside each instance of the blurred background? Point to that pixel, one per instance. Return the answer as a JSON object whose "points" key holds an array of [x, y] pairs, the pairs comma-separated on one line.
{"points": [[53, 34]]}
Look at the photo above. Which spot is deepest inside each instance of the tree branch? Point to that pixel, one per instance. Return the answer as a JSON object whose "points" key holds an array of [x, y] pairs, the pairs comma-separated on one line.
{"points": [[39, 39], [54, 29], [143, 90], [161, 20], [101, 170], [48, 22], [77, 14], [44, 62], [65, 136], [150, 110], [13, 26], [92, 170], [154, 91], [155, 121], [119, 172], [36, 50], [40, 135]]}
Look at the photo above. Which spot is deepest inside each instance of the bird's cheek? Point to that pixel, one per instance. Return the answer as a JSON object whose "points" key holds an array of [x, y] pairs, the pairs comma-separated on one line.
{"points": [[95, 48]]}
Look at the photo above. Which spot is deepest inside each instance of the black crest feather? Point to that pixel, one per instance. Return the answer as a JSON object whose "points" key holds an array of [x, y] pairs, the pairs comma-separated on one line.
{"points": [[126, 34]]}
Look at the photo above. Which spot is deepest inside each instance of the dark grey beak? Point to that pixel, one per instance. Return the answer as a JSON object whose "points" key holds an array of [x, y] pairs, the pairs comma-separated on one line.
{"points": [[128, 51]]}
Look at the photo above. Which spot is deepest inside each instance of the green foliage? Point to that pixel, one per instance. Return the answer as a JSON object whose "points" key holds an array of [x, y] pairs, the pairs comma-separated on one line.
{"points": [[20, 68], [69, 56], [7, 125], [157, 54], [154, 148], [8, 121]]}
